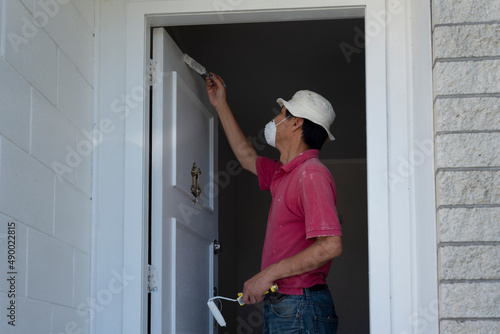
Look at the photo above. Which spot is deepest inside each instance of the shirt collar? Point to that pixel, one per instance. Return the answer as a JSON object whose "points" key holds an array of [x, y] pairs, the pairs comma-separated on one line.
{"points": [[300, 159]]}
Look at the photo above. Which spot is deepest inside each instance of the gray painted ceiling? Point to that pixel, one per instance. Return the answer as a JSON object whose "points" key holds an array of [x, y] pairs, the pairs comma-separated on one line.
{"points": [[263, 61]]}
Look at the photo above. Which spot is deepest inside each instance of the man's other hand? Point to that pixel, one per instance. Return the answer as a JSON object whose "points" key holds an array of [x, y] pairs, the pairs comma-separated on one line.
{"points": [[255, 288]]}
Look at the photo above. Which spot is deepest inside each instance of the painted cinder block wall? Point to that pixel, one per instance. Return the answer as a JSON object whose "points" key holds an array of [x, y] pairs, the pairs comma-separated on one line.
{"points": [[46, 115], [466, 71]]}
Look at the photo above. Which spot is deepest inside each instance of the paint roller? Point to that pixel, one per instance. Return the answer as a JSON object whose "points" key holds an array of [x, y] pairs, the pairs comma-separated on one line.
{"points": [[216, 312]]}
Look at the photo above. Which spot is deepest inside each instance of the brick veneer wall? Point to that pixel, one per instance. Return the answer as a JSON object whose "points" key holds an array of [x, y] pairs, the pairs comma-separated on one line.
{"points": [[466, 71]]}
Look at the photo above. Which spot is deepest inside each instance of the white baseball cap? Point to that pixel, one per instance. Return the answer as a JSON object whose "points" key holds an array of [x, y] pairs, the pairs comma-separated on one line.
{"points": [[311, 106]]}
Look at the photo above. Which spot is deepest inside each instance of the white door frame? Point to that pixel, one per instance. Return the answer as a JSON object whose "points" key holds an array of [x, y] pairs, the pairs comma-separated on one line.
{"points": [[402, 246]]}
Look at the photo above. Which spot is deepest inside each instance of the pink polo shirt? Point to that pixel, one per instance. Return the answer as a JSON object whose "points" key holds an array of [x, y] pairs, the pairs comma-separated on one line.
{"points": [[303, 208]]}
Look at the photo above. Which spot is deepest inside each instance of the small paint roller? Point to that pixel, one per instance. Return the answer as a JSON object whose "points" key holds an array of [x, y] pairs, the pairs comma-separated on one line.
{"points": [[216, 312]]}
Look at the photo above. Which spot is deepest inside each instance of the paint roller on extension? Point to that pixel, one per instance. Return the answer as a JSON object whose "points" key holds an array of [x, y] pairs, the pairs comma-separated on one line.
{"points": [[197, 67], [216, 312]]}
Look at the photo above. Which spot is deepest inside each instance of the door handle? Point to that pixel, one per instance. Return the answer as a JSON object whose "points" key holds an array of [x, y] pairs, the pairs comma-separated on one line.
{"points": [[217, 247], [196, 183]]}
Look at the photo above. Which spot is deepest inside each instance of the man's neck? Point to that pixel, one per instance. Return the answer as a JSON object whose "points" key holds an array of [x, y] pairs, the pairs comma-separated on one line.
{"points": [[292, 151]]}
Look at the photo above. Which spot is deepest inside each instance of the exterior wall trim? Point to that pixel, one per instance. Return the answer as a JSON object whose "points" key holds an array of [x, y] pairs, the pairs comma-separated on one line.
{"points": [[403, 278]]}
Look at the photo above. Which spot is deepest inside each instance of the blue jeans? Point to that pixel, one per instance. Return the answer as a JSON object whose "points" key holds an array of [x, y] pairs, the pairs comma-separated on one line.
{"points": [[310, 313]]}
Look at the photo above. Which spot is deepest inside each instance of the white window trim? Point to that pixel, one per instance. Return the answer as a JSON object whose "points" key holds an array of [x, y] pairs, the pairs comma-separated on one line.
{"points": [[402, 239]]}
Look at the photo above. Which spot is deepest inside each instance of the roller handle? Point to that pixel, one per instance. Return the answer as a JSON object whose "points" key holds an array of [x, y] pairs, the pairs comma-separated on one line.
{"points": [[273, 288]]}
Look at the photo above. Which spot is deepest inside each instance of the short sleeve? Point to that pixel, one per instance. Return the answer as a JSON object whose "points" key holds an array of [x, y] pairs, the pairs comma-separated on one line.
{"points": [[266, 168], [318, 199]]}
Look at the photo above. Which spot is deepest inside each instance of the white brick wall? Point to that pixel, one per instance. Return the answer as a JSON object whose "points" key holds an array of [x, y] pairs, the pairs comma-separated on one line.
{"points": [[39, 313], [470, 262], [468, 150], [77, 44], [465, 11], [46, 89], [50, 269], [469, 224], [30, 50], [479, 40], [67, 321], [466, 77], [470, 300], [467, 114], [477, 187], [468, 326], [15, 125], [21, 241], [466, 41], [51, 133], [72, 216], [74, 94], [26, 188]]}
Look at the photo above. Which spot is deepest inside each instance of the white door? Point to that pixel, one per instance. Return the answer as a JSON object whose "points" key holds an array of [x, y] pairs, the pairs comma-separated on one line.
{"points": [[183, 228]]}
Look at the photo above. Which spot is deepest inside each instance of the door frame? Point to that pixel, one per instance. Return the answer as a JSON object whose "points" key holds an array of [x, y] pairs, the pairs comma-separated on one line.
{"points": [[402, 239]]}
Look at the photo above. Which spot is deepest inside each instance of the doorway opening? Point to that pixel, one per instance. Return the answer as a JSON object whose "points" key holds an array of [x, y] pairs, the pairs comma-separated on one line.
{"points": [[259, 63]]}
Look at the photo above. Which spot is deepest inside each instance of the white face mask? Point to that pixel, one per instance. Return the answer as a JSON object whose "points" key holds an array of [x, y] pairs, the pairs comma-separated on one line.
{"points": [[270, 131]]}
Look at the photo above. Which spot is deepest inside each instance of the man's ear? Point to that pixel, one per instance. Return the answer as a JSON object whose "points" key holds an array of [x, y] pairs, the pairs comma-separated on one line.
{"points": [[297, 123]]}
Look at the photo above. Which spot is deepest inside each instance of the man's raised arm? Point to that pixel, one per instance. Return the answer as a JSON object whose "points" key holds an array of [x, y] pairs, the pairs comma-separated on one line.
{"points": [[241, 146]]}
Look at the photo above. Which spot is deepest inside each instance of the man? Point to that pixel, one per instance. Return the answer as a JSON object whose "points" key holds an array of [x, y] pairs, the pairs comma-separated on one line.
{"points": [[303, 231]]}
